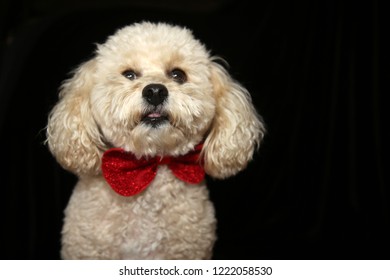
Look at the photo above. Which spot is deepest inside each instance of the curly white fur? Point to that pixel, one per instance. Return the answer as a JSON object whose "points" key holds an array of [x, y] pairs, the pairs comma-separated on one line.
{"points": [[99, 108]]}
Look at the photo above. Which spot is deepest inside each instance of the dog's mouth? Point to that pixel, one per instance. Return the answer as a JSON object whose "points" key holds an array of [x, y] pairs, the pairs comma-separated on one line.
{"points": [[155, 118]]}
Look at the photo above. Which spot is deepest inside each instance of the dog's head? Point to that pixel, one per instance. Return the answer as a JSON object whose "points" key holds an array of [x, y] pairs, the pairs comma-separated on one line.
{"points": [[153, 89]]}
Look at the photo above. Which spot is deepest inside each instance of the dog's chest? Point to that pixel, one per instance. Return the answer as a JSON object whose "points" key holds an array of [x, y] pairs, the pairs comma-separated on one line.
{"points": [[167, 212]]}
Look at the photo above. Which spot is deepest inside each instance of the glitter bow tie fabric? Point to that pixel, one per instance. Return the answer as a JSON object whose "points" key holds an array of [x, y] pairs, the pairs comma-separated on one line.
{"points": [[129, 176]]}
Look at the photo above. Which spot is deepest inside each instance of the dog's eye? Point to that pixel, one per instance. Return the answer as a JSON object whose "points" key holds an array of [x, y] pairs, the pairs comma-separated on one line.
{"points": [[178, 76], [129, 74]]}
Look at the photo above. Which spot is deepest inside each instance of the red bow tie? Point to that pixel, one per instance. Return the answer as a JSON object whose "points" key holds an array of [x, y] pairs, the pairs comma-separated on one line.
{"points": [[129, 176]]}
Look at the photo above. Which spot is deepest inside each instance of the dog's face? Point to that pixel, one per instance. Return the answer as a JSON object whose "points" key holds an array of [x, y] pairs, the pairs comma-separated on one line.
{"points": [[153, 89]]}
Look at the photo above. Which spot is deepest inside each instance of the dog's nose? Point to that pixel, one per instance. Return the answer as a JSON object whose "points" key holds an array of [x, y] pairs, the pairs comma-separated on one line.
{"points": [[155, 94]]}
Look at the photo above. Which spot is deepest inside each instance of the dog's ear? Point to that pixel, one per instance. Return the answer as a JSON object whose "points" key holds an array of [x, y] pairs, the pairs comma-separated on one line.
{"points": [[72, 134], [237, 129]]}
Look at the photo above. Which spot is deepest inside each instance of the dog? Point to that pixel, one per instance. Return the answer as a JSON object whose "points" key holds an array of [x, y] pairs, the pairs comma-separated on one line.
{"points": [[141, 124]]}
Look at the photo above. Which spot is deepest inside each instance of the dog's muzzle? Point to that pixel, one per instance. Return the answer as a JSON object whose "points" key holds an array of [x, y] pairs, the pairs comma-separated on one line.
{"points": [[155, 95]]}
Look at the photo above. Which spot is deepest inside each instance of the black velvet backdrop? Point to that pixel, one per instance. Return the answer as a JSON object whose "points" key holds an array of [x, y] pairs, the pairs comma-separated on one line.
{"points": [[318, 73]]}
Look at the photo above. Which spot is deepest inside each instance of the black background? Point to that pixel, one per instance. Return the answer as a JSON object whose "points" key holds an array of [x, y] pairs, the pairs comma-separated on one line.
{"points": [[318, 74]]}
